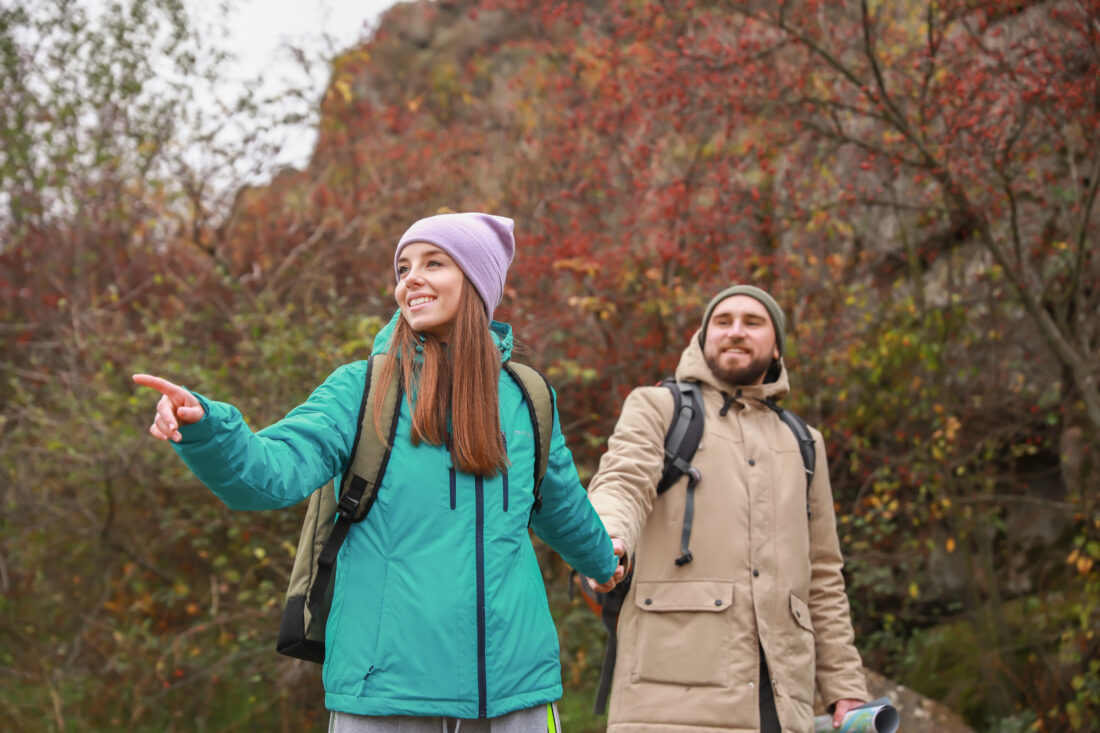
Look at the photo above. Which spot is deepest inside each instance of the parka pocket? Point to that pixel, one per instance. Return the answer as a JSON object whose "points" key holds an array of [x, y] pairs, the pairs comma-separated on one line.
{"points": [[800, 658], [684, 632], [800, 612]]}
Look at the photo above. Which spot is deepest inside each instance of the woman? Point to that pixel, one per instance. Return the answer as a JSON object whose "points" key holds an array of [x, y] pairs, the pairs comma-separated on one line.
{"points": [[439, 609]]}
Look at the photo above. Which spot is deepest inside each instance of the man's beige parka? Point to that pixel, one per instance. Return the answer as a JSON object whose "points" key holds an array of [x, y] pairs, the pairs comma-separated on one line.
{"points": [[688, 659]]}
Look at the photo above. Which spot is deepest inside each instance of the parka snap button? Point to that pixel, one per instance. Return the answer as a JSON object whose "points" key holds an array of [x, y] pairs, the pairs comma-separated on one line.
{"points": [[756, 573], [752, 462], [752, 685], [649, 601], [718, 602]]}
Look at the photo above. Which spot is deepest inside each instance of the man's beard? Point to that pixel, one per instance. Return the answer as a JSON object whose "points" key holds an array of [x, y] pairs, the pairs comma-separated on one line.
{"points": [[740, 376]]}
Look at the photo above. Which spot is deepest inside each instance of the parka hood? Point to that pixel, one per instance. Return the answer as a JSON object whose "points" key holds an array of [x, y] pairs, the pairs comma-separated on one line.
{"points": [[693, 368]]}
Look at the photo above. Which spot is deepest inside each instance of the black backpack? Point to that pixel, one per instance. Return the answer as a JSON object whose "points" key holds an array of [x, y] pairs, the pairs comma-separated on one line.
{"points": [[681, 441]]}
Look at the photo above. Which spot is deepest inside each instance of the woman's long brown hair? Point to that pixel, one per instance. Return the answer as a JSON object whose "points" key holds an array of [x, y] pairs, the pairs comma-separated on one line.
{"points": [[456, 380]]}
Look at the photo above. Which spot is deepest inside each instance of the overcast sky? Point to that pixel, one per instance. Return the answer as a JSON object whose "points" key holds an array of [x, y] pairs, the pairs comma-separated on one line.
{"points": [[261, 30]]}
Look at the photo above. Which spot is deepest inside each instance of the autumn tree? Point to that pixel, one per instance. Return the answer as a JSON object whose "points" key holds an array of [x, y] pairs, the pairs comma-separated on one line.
{"points": [[918, 180], [115, 168]]}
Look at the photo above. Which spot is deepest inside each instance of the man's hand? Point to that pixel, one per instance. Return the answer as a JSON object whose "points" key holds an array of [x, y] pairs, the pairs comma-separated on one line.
{"points": [[620, 572], [842, 708], [177, 407]]}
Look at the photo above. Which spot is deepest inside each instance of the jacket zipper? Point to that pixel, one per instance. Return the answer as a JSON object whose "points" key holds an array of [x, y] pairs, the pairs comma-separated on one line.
{"points": [[451, 472], [504, 472], [454, 488], [479, 492]]}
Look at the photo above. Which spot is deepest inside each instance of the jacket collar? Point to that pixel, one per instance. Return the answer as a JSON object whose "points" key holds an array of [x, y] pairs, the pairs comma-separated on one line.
{"points": [[501, 333], [693, 368]]}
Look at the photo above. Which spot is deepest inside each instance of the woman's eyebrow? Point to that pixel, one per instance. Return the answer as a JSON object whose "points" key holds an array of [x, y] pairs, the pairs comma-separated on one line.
{"points": [[434, 252]]}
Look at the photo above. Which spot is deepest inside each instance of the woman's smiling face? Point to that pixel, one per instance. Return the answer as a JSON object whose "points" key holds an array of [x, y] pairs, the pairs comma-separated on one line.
{"points": [[429, 288]]}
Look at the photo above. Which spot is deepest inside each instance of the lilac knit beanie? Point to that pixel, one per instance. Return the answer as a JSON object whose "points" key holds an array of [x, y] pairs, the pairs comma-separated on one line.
{"points": [[481, 244]]}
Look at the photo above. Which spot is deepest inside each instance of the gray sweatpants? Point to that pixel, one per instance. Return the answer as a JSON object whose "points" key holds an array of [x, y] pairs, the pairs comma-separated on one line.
{"points": [[539, 719]]}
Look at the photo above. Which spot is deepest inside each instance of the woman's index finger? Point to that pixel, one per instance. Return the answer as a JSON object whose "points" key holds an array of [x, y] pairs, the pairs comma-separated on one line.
{"points": [[172, 391]]}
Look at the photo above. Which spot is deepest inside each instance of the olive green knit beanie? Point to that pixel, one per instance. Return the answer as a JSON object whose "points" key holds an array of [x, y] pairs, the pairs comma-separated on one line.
{"points": [[779, 321]]}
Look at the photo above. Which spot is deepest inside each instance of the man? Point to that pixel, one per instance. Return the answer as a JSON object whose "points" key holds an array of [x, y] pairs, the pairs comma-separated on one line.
{"points": [[732, 639]]}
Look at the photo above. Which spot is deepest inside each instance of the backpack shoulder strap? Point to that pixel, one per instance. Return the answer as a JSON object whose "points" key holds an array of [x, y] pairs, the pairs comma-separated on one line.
{"points": [[369, 453], [684, 433], [681, 442], [805, 443], [369, 456], [540, 402]]}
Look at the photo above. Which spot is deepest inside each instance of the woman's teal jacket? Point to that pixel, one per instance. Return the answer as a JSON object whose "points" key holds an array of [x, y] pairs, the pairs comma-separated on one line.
{"points": [[439, 607]]}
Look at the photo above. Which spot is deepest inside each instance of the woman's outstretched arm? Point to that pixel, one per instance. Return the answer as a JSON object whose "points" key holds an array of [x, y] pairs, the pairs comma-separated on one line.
{"points": [[274, 467]]}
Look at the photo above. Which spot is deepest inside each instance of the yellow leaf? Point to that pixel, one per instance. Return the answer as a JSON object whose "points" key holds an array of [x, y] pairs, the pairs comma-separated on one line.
{"points": [[953, 426], [950, 544], [343, 88], [914, 591]]}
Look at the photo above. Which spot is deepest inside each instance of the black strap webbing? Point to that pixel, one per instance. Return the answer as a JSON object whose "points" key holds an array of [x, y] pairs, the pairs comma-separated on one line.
{"points": [[685, 533], [612, 604], [681, 442], [369, 455], [684, 432], [607, 673]]}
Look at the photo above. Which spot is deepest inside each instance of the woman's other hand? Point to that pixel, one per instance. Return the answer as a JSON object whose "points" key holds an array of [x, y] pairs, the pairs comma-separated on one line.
{"points": [[620, 571]]}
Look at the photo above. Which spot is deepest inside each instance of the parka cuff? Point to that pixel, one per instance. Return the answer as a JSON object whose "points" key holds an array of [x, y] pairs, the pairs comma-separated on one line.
{"points": [[612, 522], [846, 686]]}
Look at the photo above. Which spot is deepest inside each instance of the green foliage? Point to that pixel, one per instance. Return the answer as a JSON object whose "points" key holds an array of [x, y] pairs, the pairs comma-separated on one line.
{"points": [[146, 604], [936, 530], [1043, 651]]}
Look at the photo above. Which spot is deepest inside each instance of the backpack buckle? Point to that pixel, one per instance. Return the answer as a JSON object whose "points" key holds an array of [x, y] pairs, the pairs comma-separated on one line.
{"points": [[347, 506], [694, 476]]}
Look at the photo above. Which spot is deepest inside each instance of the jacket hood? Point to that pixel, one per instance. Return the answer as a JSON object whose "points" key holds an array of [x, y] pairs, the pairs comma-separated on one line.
{"points": [[693, 368], [501, 332]]}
